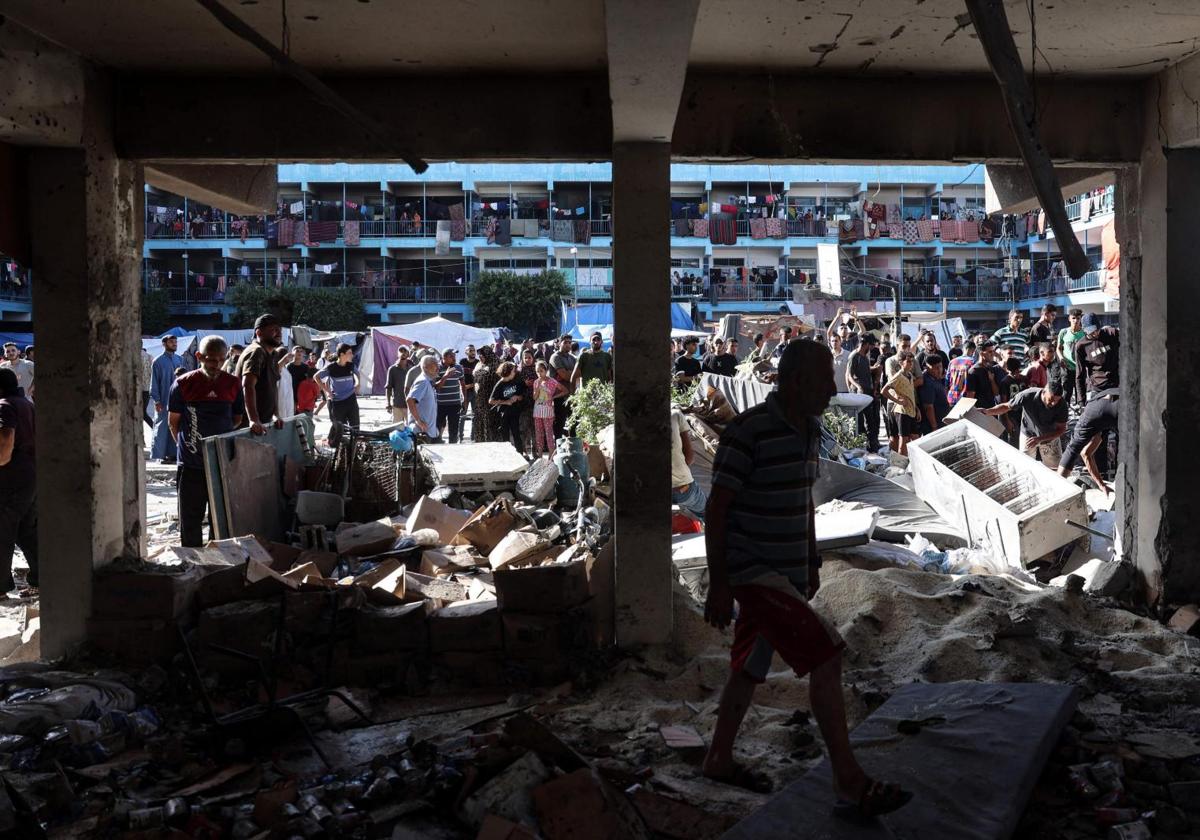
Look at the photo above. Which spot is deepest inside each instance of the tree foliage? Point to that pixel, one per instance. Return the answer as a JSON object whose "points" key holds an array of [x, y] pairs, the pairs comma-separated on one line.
{"points": [[156, 311], [320, 308], [591, 410], [522, 302]]}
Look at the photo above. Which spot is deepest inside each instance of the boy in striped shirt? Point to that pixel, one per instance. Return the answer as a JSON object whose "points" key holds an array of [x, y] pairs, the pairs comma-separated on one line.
{"points": [[761, 545]]}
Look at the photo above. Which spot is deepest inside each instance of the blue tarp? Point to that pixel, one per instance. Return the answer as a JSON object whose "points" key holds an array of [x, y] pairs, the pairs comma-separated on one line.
{"points": [[596, 315], [176, 331]]}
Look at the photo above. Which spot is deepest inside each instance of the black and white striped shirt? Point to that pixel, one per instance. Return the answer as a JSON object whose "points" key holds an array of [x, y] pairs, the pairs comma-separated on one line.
{"points": [[770, 466]]}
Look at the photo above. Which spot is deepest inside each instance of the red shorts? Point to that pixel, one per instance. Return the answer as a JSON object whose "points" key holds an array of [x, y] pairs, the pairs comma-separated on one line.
{"points": [[770, 620]]}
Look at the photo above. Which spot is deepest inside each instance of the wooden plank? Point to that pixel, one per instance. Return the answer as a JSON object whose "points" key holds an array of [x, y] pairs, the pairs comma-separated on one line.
{"points": [[971, 774]]}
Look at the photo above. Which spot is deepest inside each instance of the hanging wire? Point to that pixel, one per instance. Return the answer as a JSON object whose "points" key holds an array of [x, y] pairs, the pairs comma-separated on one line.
{"points": [[285, 35]]}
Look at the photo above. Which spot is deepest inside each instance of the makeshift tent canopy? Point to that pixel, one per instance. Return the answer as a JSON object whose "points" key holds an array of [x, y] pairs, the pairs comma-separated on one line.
{"points": [[22, 340], [379, 348], [592, 315]]}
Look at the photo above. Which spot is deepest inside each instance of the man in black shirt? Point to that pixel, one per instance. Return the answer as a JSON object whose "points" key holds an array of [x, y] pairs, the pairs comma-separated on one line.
{"points": [[930, 350], [1043, 331], [18, 461], [984, 377], [1097, 358], [1099, 416], [395, 391], [861, 377], [1043, 421], [717, 360], [687, 368]]}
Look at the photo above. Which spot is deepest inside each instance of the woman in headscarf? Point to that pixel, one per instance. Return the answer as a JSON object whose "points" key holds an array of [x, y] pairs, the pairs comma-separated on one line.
{"points": [[527, 372], [485, 425]]}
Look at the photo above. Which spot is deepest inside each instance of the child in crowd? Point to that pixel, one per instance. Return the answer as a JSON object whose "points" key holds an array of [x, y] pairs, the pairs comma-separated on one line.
{"points": [[544, 391]]}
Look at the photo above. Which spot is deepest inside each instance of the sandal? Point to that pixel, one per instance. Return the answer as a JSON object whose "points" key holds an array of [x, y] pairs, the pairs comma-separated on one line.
{"points": [[877, 798], [745, 778]]}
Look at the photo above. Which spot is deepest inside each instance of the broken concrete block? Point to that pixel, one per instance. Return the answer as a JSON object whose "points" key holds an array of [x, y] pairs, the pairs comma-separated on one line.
{"points": [[487, 526], [545, 589], [382, 629], [515, 547], [441, 590], [160, 592], [135, 641], [1186, 620], [597, 465], [539, 482], [546, 636], [466, 626], [429, 513], [315, 508], [366, 538], [508, 794], [1111, 579]]}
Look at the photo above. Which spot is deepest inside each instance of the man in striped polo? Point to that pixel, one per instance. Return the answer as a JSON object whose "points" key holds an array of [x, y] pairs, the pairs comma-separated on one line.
{"points": [[1013, 337], [761, 544]]}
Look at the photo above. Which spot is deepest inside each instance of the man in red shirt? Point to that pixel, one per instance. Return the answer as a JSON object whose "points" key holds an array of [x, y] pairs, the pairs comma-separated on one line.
{"points": [[205, 402]]}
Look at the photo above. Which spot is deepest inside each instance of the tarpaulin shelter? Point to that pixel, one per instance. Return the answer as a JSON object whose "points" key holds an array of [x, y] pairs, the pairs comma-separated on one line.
{"points": [[22, 340], [378, 350], [589, 317]]}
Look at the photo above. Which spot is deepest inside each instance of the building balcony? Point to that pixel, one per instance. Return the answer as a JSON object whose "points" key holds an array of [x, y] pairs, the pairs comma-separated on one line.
{"points": [[1095, 205]]}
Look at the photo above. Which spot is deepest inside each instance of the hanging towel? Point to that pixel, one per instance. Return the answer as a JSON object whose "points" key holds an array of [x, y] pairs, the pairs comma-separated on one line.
{"points": [[583, 232], [775, 229], [351, 233], [503, 232], [441, 246], [758, 228], [458, 230], [296, 207], [700, 228]]}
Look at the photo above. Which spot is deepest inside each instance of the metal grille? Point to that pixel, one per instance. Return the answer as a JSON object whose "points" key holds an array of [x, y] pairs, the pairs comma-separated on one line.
{"points": [[983, 470]]}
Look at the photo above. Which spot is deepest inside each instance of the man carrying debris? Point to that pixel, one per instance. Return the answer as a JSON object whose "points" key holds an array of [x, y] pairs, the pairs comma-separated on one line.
{"points": [[204, 402], [762, 551], [259, 374], [1101, 415], [1043, 420]]}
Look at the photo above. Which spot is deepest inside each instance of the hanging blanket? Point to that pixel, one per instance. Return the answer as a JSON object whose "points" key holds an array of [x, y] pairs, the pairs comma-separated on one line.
{"points": [[302, 234], [561, 230], [723, 232], [987, 231], [503, 231], [846, 231], [775, 229], [820, 228], [583, 232], [286, 233], [322, 231], [700, 228], [491, 231], [456, 213], [758, 228], [948, 230], [441, 246], [924, 230], [908, 230], [458, 230], [681, 227], [969, 231], [351, 233]]}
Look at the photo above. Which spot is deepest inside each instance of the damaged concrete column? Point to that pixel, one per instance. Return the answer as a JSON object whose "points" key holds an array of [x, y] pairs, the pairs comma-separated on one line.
{"points": [[642, 342], [86, 231]]}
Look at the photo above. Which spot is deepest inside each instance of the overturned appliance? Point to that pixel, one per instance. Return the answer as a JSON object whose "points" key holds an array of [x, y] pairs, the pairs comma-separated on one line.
{"points": [[992, 491]]}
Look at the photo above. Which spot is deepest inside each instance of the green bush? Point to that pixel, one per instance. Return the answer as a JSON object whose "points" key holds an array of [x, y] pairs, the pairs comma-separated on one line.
{"points": [[522, 302], [156, 311], [320, 308], [591, 410]]}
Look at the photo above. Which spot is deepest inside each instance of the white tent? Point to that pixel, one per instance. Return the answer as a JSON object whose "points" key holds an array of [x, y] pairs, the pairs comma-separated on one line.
{"points": [[379, 347]]}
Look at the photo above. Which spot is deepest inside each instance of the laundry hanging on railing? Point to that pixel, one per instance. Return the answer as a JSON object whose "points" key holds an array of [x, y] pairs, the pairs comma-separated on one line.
{"points": [[441, 245], [326, 268], [351, 233]]}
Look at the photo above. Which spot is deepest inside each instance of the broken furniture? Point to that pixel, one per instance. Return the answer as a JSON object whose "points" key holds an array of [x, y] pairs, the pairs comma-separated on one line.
{"points": [[369, 473], [995, 492], [973, 756]]}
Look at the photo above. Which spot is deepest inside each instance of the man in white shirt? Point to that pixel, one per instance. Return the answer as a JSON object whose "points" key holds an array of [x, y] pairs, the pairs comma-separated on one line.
{"points": [[841, 360], [22, 368]]}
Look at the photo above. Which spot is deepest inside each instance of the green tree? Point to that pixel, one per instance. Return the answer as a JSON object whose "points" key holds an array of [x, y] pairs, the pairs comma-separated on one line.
{"points": [[321, 308], [521, 302], [156, 311]]}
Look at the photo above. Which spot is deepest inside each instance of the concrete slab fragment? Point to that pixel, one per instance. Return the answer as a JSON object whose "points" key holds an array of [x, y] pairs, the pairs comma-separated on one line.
{"points": [[972, 774]]}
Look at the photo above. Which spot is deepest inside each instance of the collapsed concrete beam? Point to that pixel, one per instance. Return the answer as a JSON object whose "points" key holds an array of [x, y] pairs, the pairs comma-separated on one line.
{"points": [[1009, 189], [41, 90], [250, 189]]}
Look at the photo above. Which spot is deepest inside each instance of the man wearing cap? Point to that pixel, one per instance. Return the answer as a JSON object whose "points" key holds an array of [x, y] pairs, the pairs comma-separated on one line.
{"points": [[162, 377], [259, 374], [1097, 358]]}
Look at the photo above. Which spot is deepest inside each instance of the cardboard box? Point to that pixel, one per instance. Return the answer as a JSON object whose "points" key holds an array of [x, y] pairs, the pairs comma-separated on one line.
{"points": [[383, 629], [366, 538], [466, 626], [547, 637], [150, 594], [487, 526], [481, 668], [430, 513], [448, 559], [516, 547], [542, 589], [135, 641]]}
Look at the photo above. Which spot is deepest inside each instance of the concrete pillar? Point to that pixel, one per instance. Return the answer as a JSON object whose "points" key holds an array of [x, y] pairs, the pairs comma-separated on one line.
{"points": [[642, 333], [86, 228]]}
